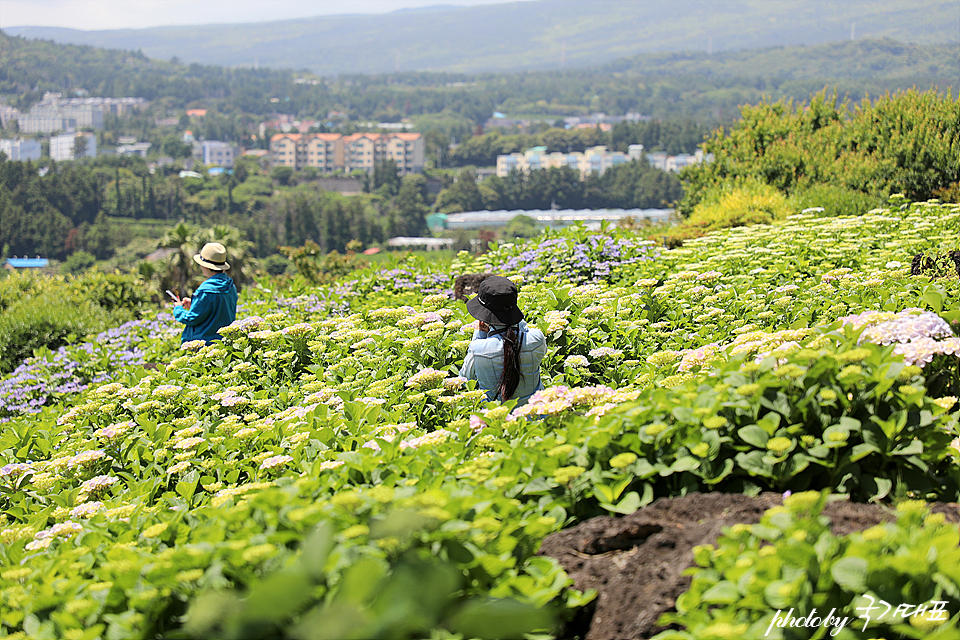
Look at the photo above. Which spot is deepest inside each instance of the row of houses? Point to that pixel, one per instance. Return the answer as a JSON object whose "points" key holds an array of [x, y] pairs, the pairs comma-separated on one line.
{"points": [[593, 160], [331, 152]]}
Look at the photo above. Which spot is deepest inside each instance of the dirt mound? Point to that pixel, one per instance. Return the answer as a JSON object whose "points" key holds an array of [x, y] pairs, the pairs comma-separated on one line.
{"points": [[636, 562]]}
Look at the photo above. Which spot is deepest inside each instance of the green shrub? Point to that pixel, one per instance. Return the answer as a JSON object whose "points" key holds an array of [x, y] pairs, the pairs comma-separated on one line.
{"points": [[49, 320], [112, 292], [277, 265], [18, 286], [791, 565], [78, 262], [736, 203], [42, 311], [836, 201]]}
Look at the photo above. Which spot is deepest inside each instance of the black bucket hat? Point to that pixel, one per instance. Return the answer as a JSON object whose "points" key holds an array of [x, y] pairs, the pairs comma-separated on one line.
{"points": [[496, 302]]}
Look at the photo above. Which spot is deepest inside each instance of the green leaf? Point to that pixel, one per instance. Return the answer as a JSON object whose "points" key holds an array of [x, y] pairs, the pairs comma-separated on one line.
{"points": [[753, 464], [630, 503], [851, 573], [684, 463], [914, 448], [724, 592], [278, 596], [752, 434], [499, 619], [603, 493], [861, 451], [933, 299]]}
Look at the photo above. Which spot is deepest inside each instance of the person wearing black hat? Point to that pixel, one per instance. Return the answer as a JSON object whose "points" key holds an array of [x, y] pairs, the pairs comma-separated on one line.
{"points": [[504, 356], [214, 303]]}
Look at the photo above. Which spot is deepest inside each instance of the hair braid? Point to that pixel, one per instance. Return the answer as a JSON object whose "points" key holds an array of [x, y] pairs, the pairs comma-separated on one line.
{"points": [[510, 377]]}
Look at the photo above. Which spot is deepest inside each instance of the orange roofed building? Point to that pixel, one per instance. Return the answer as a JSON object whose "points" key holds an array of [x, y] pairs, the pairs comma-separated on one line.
{"points": [[331, 152]]}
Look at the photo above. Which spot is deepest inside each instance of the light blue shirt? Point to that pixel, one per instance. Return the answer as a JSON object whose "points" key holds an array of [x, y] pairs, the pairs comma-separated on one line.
{"points": [[484, 362]]}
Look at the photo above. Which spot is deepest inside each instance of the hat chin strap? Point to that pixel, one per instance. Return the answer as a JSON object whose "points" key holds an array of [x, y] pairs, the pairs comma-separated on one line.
{"points": [[496, 332]]}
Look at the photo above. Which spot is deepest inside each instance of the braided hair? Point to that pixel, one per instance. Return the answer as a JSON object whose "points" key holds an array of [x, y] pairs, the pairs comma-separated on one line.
{"points": [[510, 377]]}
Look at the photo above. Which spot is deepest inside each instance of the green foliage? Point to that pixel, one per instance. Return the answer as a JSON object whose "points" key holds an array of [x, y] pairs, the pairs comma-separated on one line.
{"points": [[902, 143], [835, 200], [276, 264], [111, 291], [282, 175], [409, 208], [462, 195], [42, 312], [406, 595], [840, 416], [78, 262], [202, 482], [791, 565], [732, 204], [634, 185], [521, 227], [316, 267], [46, 320]]}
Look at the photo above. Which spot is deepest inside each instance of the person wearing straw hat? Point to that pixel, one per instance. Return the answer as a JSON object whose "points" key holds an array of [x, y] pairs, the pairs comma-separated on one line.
{"points": [[214, 303], [504, 355]]}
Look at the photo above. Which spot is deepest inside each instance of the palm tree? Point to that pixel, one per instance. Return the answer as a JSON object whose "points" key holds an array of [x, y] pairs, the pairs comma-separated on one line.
{"points": [[181, 238]]}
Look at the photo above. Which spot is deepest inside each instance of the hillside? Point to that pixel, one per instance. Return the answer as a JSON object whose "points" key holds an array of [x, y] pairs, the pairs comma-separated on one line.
{"points": [[662, 85], [857, 59], [548, 34]]}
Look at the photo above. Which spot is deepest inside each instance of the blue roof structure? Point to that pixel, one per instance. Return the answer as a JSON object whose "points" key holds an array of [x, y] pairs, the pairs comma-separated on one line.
{"points": [[28, 263]]}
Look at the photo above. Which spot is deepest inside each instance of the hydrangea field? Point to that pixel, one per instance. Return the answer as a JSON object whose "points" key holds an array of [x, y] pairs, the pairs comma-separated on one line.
{"points": [[322, 472]]}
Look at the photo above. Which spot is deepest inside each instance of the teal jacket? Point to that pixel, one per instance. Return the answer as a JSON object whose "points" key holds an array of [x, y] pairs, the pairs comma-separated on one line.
{"points": [[213, 305]]}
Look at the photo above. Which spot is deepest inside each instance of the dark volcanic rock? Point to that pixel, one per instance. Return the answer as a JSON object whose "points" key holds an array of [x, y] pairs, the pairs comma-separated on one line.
{"points": [[636, 562]]}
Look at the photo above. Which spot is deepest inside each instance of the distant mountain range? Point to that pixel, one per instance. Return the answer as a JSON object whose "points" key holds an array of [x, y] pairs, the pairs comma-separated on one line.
{"points": [[545, 34]]}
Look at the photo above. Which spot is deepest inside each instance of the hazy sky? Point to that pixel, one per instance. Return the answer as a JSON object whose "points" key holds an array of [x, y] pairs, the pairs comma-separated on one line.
{"points": [[90, 15]]}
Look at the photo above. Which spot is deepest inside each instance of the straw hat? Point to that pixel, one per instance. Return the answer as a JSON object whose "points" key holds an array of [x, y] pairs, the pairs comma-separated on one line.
{"points": [[213, 256]]}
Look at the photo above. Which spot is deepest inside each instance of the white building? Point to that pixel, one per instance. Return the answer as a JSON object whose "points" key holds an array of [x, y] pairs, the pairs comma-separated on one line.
{"points": [[45, 123], [63, 147], [593, 160], [20, 149], [133, 149], [219, 153]]}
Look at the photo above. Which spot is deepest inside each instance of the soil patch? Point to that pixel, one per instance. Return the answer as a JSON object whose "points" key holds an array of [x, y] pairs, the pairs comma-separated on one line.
{"points": [[636, 562]]}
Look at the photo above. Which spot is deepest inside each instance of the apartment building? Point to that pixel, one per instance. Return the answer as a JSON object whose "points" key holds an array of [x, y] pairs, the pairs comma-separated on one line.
{"points": [[219, 153], [45, 123], [330, 152], [593, 160], [324, 151], [114, 106], [284, 148], [53, 113], [63, 147], [20, 149]]}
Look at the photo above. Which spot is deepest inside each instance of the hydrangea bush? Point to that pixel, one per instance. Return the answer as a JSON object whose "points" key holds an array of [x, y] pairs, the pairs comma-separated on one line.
{"points": [[329, 430]]}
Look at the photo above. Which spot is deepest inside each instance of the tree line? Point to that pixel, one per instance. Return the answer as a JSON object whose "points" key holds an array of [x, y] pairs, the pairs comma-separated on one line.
{"points": [[634, 185]]}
